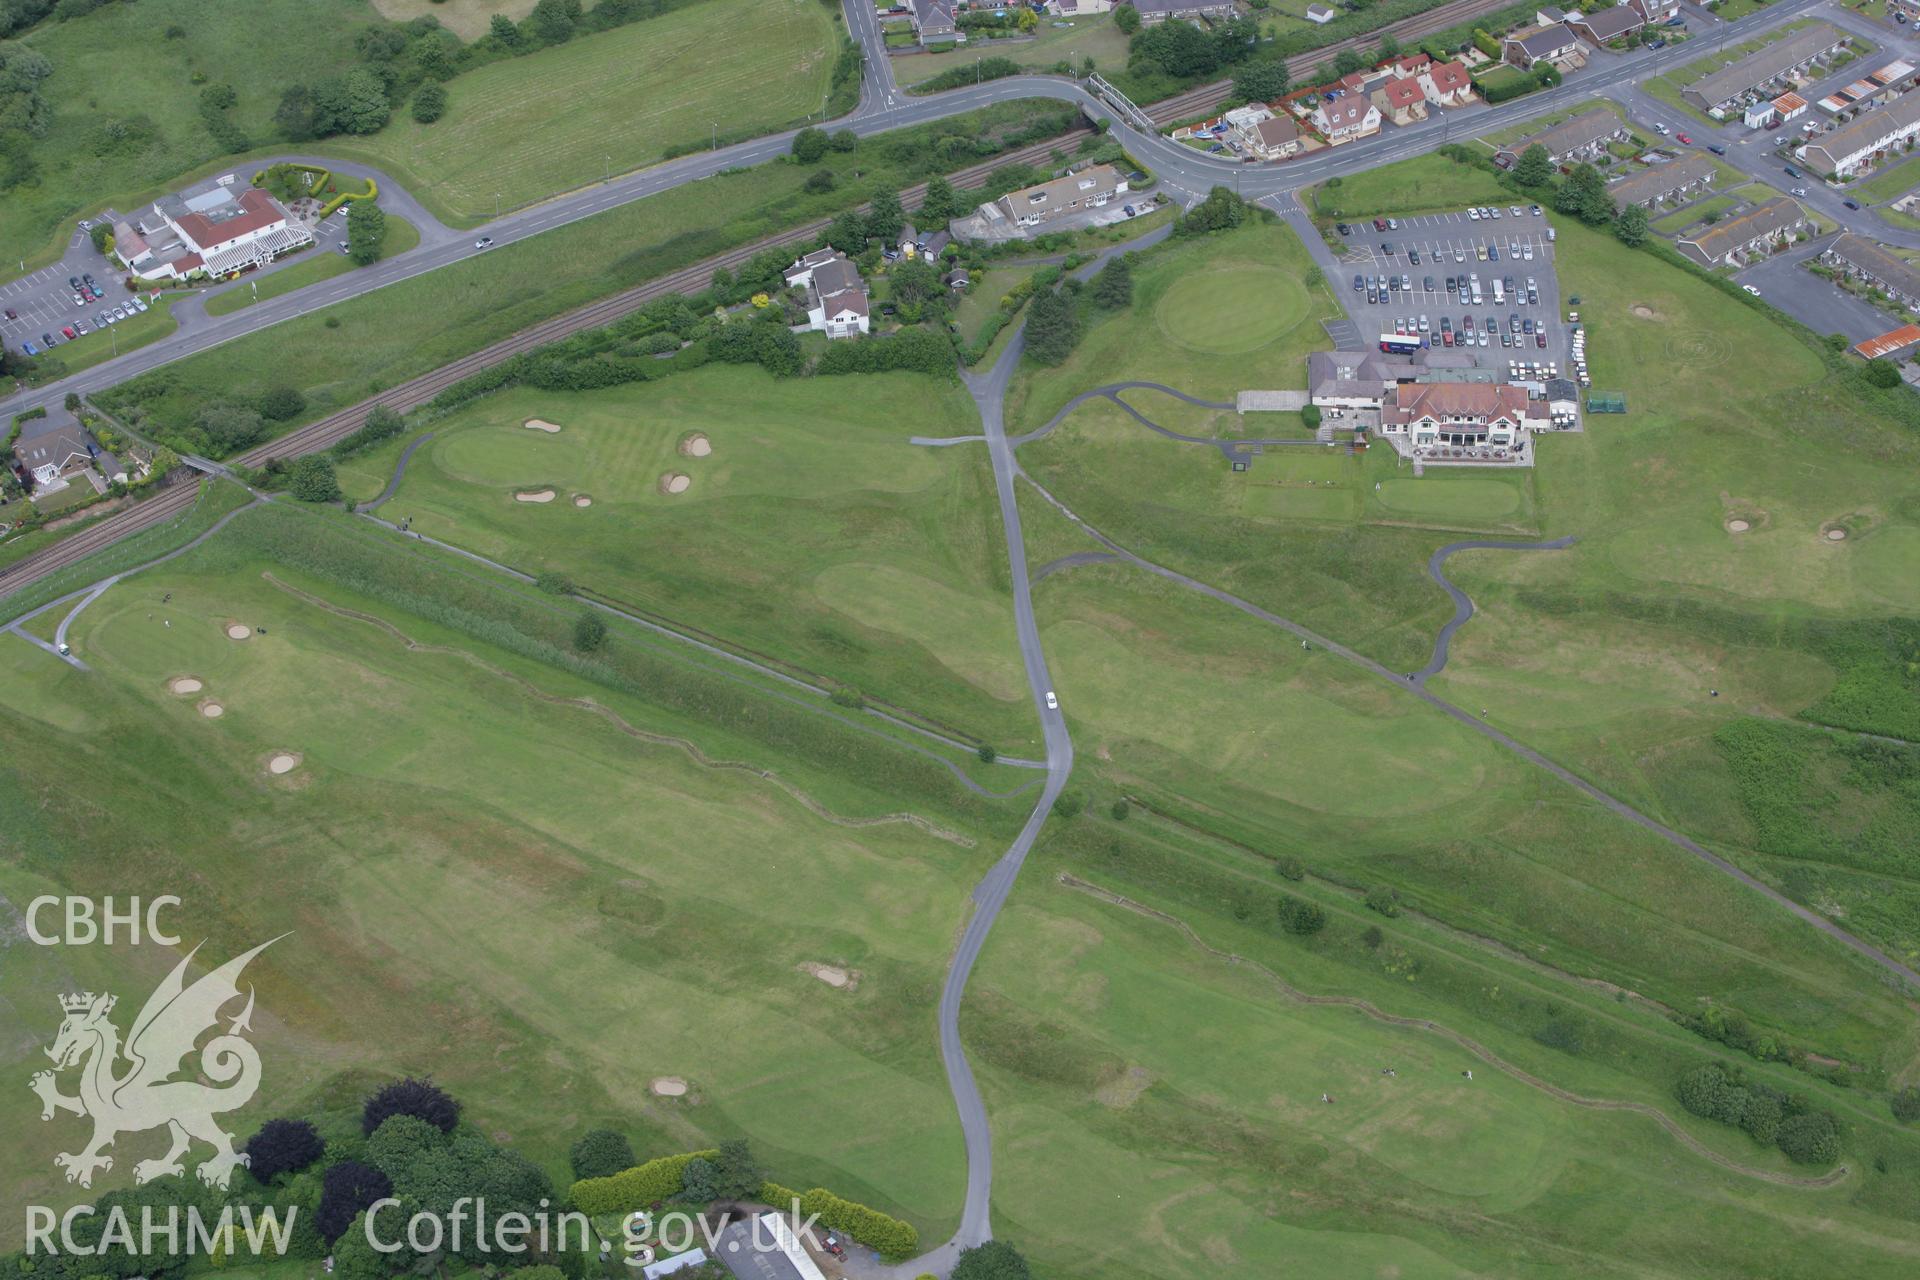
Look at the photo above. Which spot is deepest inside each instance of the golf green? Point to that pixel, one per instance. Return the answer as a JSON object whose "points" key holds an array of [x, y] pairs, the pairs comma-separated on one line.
{"points": [[1228, 312]]}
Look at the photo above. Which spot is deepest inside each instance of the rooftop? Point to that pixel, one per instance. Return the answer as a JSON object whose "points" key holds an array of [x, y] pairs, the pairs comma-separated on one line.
{"points": [[1658, 180], [1764, 64], [1768, 219]]}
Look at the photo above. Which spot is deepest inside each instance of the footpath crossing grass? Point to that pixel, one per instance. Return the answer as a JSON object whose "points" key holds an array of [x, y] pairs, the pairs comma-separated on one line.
{"points": [[532, 127]]}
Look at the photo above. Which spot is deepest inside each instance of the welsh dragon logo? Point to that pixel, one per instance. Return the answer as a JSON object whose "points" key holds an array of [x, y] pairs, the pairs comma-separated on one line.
{"points": [[146, 1094]]}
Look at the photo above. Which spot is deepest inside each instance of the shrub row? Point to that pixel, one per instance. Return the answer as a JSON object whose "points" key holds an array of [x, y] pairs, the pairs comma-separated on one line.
{"points": [[896, 1241], [636, 1188], [371, 193]]}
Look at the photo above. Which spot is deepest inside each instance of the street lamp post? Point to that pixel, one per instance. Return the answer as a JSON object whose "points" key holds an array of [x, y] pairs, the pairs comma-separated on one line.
{"points": [[716, 135], [609, 160], [496, 204]]}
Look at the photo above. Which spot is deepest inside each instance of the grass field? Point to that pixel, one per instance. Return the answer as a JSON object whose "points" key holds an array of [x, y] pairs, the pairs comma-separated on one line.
{"points": [[527, 128], [1890, 183], [495, 882], [1679, 220], [813, 532], [467, 19], [317, 264], [417, 325], [120, 136], [1090, 37], [1429, 182]]}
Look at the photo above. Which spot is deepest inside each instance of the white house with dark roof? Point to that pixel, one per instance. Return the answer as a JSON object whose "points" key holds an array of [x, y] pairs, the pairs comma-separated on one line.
{"points": [[1855, 145], [837, 303], [1654, 12], [1767, 70], [1692, 174], [1581, 137], [932, 18], [1869, 262], [1089, 188], [1154, 11], [1323, 14]]}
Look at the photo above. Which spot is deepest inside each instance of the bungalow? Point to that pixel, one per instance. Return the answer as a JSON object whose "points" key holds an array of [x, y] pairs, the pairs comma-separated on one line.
{"points": [[1155, 11], [1090, 188], [1577, 138], [1743, 239], [1347, 118], [1401, 101], [1553, 43], [206, 228], [1858, 258], [1323, 14], [1852, 147], [1603, 26], [1275, 138], [1494, 415], [1655, 12], [932, 19], [1447, 84], [837, 302], [1765, 70], [1692, 174]]}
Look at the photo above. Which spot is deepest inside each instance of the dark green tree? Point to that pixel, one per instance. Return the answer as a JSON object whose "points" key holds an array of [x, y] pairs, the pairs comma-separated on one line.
{"points": [[1300, 917], [1262, 81], [600, 1153], [886, 218], [1127, 19], [941, 202], [1883, 373], [366, 231], [736, 1174], [809, 145], [1906, 1104], [996, 1259], [1809, 1138], [294, 117], [1053, 328], [589, 632], [430, 103], [311, 479], [281, 403], [1534, 168], [848, 233], [1346, 62], [1113, 284], [1385, 899]]}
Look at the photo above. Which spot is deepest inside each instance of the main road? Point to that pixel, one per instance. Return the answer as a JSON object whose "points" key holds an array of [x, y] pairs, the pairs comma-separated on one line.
{"points": [[1184, 171]]}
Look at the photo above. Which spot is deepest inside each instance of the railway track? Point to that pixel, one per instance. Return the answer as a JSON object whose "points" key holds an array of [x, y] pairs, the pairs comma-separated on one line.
{"points": [[1204, 99], [327, 431]]}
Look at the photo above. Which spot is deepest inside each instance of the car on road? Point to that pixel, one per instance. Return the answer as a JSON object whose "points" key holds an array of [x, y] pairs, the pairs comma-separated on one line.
{"points": [[1790, 171], [1852, 204], [1716, 148], [1662, 130], [483, 242], [1799, 191], [1684, 137], [1053, 703], [1750, 289]]}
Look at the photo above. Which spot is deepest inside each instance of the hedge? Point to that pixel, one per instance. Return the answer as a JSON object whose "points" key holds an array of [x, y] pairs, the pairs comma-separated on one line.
{"points": [[638, 1187], [896, 1241], [371, 193]]}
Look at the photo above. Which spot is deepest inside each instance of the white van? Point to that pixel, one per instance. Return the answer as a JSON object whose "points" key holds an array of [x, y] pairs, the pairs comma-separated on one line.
{"points": [[1499, 294]]}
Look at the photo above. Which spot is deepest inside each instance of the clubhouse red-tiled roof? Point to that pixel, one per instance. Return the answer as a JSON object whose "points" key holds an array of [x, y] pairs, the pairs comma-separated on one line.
{"points": [[258, 212]]}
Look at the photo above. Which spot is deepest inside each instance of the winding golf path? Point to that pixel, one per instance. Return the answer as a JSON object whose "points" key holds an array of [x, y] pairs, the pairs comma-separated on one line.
{"points": [[1462, 603]]}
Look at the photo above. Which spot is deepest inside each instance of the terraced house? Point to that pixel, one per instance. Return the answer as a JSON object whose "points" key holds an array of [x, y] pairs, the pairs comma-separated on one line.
{"points": [[1747, 238], [1691, 175], [1582, 137], [1867, 262], [1854, 147], [1766, 71]]}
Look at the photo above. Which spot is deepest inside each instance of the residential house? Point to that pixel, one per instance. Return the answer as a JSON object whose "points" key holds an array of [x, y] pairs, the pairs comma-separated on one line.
{"points": [[1346, 118], [1766, 70], [1746, 237], [1402, 101], [1577, 138], [837, 302], [1493, 415], [207, 229], [1603, 26], [1881, 87], [1447, 84], [1909, 9], [1867, 261], [61, 451], [1854, 146], [1323, 14], [1262, 133], [1079, 8], [932, 19], [1088, 189], [1691, 175], [1553, 43], [1655, 12], [1152, 11]]}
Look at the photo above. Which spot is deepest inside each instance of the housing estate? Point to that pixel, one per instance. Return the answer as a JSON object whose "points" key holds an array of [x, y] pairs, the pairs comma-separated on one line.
{"points": [[1090, 188], [207, 229], [1765, 71], [1553, 42], [1692, 174], [1604, 25], [1745, 237], [1855, 145], [1578, 138], [1868, 262], [1152, 11], [1880, 87], [837, 302], [1346, 118]]}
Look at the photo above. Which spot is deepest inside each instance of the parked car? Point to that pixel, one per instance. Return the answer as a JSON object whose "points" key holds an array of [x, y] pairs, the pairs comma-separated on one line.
{"points": [[1851, 204], [1346, 229], [1493, 253], [30, 349], [83, 327], [1413, 256], [1716, 148], [1750, 289], [73, 283], [68, 330], [1426, 283], [1536, 211], [46, 339], [1473, 214], [1359, 284], [1540, 340], [140, 303], [1386, 247], [12, 314], [1379, 224]]}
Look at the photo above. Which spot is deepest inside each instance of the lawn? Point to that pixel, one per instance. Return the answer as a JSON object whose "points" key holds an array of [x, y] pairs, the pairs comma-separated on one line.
{"points": [[1075, 39], [1426, 184], [505, 837], [813, 532], [527, 128], [345, 352], [126, 121], [1679, 220], [1890, 183], [318, 263]]}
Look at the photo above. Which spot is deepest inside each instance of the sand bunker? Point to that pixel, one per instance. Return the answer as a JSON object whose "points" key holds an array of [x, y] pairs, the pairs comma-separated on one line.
{"points": [[238, 631], [540, 424], [1836, 535], [582, 500], [674, 482], [1645, 313], [696, 446], [212, 710], [184, 685], [534, 495], [1738, 526], [669, 1087], [283, 762], [833, 975]]}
